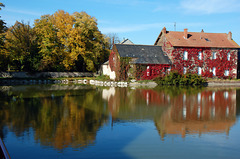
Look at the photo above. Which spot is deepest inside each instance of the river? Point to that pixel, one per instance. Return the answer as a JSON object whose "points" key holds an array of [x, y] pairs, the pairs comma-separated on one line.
{"points": [[76, 121]]}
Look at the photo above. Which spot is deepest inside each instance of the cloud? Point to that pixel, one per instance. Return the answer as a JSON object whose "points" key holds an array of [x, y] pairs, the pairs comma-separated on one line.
{"points": [[23, 12], [131, 28], [142, 27], [210, 6]]}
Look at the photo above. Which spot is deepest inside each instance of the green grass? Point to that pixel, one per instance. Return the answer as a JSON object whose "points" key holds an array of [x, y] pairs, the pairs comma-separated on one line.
{"points": [[145, 81]]}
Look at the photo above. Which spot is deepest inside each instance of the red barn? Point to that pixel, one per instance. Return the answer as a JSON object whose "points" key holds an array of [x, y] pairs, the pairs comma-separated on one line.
{"points": [[207, 54]]}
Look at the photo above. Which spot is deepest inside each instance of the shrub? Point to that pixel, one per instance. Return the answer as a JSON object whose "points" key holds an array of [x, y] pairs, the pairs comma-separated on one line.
{"points": [[103, 78], [174, 78]]}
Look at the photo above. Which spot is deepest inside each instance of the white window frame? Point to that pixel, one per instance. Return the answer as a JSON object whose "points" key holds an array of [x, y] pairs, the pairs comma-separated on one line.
{"points": [[169, 69], [185, 55], [200, 55], [148, 70], [199, 71], [184, 70], [214, 71], [226, 73], [228, 56], [214, 55]]}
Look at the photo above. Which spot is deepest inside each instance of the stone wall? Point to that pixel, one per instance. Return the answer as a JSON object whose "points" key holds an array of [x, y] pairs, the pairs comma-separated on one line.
{"points": [[45, 74]]}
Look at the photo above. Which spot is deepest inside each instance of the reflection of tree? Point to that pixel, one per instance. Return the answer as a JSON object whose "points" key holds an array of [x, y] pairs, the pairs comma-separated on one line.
{"points": [[63, 118], [59, 120], [206, 111]]}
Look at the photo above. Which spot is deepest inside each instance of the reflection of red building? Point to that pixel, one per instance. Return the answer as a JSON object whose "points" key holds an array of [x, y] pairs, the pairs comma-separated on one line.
{"points": [[208, 111], [155, 98], [135, 104]]}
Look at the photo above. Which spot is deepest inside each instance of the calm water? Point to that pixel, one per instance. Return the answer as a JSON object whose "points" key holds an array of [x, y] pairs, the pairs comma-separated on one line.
{"points": [[53, 121]]}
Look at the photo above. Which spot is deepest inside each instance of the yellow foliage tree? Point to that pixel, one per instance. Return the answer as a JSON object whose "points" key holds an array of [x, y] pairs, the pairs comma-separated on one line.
{"points": [[66, 39]]}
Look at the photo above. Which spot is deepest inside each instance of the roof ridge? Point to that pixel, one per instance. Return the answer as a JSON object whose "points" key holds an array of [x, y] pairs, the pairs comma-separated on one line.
{"points": [[195, 32], [138, 45]]}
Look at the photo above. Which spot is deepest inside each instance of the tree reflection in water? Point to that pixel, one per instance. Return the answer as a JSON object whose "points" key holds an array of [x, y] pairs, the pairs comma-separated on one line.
{"points": [[58, 117], [70, 116]]}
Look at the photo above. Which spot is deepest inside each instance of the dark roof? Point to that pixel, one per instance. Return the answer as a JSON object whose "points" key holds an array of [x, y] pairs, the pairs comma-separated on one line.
{"points": [[144, 54]]}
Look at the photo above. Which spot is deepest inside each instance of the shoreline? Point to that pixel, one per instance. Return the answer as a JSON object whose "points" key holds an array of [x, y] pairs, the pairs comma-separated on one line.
{"points": [[149, 84]]}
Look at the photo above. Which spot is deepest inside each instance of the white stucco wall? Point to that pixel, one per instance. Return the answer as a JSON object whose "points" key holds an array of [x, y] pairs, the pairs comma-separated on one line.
{"points": [[107, 71]]}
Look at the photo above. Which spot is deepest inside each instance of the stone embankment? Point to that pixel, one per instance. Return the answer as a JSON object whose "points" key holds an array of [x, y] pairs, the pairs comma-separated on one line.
{"points": [[223, 83], [45, 74], [76, 81]]}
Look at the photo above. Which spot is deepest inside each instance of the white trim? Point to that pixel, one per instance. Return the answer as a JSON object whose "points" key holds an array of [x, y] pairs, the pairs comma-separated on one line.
{"points": [[214, 55], [214, 71], [226, 73], [184, 70], [185, 55], [199, 71], [228, 56], [200, 55], [148, 70]]}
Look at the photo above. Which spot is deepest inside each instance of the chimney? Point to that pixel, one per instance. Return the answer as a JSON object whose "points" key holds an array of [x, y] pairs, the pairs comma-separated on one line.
{"points": [[164, 30], [230, 35], [185, 33]]}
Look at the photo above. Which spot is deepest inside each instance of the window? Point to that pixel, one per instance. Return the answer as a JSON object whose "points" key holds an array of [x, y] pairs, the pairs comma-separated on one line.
{"points": [[184, 70], [185, 55], [148, 70], [199, 70], [199, 55], [169, 69], [214, 55], [214, 71], [228, 56], [226, 73]]}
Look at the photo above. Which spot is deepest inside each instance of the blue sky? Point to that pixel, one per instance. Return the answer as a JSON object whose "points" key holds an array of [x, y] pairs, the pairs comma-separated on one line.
{"points": [[138, 20]]}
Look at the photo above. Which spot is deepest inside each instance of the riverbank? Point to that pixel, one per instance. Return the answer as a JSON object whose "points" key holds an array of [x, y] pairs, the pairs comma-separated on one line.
{"points": [[84, 81], [92, 81], [223, 83]]}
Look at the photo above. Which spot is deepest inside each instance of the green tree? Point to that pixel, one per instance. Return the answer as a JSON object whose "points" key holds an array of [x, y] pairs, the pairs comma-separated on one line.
{"points": [[21, 46], [3, 57]]}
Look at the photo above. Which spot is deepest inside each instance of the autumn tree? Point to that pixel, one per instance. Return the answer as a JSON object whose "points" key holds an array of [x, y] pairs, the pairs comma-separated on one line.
{"points": [[21, 47], [49, 44], [3, 57], [70, 42], [95, 50]]}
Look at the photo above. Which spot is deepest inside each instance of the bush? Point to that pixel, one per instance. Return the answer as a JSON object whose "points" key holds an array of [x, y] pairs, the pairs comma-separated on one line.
{"points": [[103, 78], [174, 78]]}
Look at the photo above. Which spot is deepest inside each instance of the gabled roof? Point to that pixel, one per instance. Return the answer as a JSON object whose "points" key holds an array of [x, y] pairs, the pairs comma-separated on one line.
{"points": [[199, 39], [127, 41], [144, 54]]}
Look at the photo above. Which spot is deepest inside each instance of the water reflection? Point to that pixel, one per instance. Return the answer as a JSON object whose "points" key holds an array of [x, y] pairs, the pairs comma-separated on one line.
{"points": [[189, 111], [58, 117], [71, 116], [205, 112]]}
